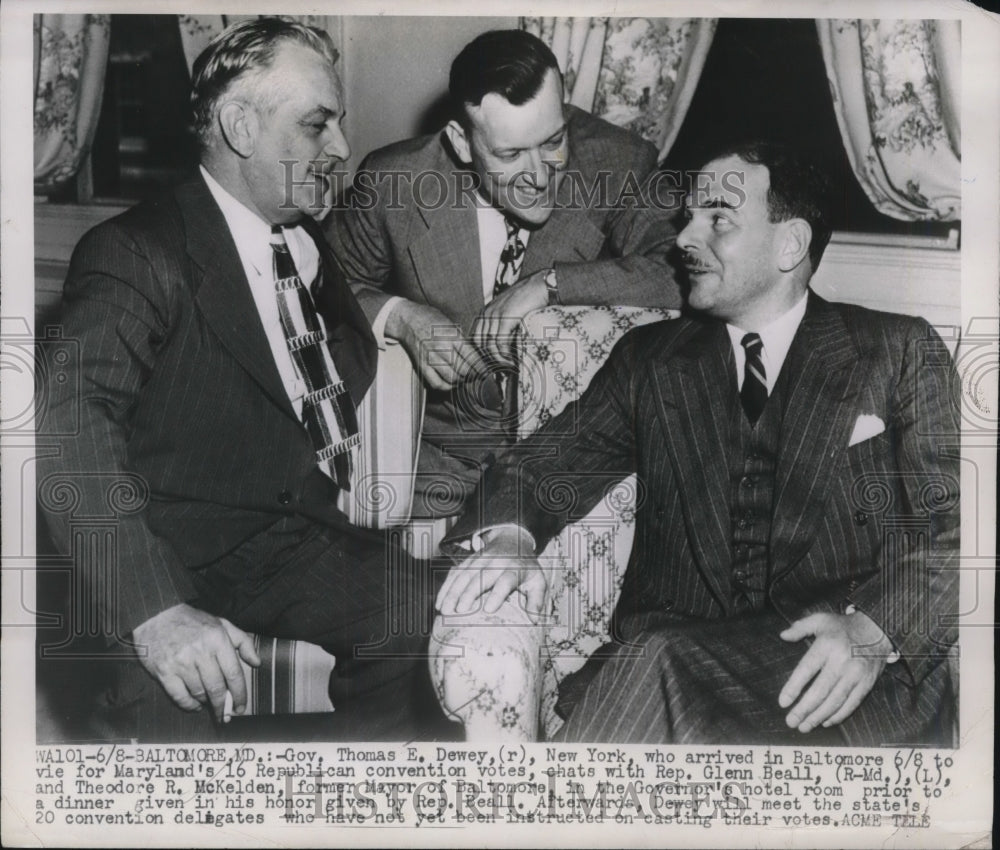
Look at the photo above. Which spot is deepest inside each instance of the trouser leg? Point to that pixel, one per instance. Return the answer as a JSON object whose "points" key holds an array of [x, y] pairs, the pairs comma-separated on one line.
{"points": [[693, 683]]}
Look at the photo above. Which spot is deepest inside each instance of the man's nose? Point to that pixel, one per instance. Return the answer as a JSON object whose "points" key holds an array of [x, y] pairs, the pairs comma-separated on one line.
{"points": [[337, 146], [687, 238], [540, 169]]}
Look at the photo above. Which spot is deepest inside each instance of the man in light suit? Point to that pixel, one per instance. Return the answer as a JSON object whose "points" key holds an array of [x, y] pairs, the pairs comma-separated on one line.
{"points": [[449, 240], [220, 361], [793, 578]]}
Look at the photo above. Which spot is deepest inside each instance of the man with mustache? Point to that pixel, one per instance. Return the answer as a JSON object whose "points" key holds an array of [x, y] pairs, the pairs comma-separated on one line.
{"points": [[220, 362], [451, 239], [794, 573]]}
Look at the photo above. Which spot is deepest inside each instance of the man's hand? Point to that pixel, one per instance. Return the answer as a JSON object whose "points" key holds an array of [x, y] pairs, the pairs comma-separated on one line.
{"points": [[194, 656], [444, 358], [840, 678], [494, 329], [505, 564]]}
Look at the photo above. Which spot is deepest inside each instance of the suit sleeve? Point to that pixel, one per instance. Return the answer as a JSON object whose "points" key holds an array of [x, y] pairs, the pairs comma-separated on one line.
{"points": [[639, 236], [115, 313], [359, 239], [559, 473], [914, 594]]}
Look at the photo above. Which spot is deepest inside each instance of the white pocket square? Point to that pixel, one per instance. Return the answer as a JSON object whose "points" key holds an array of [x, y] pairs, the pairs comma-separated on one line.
{"points": [[865, 428]]}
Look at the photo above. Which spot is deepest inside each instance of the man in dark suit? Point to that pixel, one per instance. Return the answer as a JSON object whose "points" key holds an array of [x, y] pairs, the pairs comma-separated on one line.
{"points": [[451, 239], [220, 361], [794, 573]]}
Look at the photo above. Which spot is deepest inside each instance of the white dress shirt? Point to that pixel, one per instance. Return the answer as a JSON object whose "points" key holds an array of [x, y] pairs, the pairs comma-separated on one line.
{"points": [[252, 236], [777, 339]]}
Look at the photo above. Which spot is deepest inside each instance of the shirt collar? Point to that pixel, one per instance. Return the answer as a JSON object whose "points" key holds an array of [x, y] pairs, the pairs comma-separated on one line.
{"points": [[776, 336], [251, 233]]}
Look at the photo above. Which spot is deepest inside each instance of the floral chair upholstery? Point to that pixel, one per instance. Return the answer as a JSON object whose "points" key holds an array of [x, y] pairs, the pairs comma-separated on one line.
{"points": [[498, 674]]}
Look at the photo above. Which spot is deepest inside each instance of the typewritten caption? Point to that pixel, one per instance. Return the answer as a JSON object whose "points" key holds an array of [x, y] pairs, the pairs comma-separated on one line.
{"points": [[434, 785]]}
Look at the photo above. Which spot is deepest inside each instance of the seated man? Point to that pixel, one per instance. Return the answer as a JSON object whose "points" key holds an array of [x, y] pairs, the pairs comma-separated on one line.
{"points": [[451, 239], [220, 362], [792, 578]]}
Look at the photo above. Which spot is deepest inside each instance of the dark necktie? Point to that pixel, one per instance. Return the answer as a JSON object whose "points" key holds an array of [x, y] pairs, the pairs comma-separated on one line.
{"points": [[511, 257], [327, 409], [753, 394]]}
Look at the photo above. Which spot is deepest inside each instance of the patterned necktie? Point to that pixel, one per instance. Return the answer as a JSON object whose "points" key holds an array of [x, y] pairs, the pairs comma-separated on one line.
{"points": [[327, 409], [753, 394], [511, 257]]}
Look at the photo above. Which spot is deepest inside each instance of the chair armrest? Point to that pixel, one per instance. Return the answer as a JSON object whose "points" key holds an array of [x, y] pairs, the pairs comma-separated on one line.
{"points": [[498, 674], [293, 678], [390, 418], [487, 672]]}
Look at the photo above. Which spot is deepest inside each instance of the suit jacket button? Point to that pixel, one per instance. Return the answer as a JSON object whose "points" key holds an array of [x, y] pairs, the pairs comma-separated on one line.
{"points": [[668, 605], [284, 497], [861, 518]]}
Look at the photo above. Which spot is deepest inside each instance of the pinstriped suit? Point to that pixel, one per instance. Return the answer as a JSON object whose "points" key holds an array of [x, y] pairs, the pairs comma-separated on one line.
{"points": [[389, 244], [178, 388], [842, 519]]}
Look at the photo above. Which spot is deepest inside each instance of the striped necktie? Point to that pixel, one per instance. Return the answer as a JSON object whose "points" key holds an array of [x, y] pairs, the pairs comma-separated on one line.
{"points": [[511, 257], [327, 409], [753, 393]]}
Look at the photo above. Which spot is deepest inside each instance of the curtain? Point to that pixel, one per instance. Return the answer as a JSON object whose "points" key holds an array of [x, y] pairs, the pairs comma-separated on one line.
{"points": [[896, 93], [70, 58], [198, 30], [638, 73]]}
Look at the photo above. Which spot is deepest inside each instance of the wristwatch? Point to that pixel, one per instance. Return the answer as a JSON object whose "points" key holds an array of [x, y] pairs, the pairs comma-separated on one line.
{"points": [[551, 287]]}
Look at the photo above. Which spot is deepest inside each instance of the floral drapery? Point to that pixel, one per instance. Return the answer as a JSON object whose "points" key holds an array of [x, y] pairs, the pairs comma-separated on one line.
{"points": [[639, 73], [198, 30], [70, 58], [895, 87]]}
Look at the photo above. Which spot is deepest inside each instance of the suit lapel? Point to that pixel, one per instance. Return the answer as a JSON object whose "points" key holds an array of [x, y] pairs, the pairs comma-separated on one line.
{"points": [[445, 256], [693, 393], [223, 293], [826, 373], [349, 335]]}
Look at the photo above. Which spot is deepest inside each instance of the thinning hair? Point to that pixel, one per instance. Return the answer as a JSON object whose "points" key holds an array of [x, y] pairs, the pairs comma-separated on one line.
{"points": [[239, 54], [798, 188], [511, 63]]}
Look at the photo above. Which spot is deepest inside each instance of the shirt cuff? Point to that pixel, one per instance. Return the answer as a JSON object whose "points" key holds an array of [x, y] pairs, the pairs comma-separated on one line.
{"points": [[893, 656], [378, 326], [476, 542]]}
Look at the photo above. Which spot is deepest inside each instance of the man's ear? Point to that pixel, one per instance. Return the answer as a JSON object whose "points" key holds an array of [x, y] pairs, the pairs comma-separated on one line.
{"points": [[239, 125], [794, 245], [459, 141]]}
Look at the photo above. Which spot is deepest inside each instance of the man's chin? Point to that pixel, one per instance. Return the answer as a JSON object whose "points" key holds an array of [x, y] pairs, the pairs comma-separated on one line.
{"points": [[698, 296], [313, 206]]}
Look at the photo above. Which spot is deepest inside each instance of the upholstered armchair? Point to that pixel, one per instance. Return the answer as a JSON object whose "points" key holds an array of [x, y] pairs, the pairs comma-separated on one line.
{"points": [[498, 674]]}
